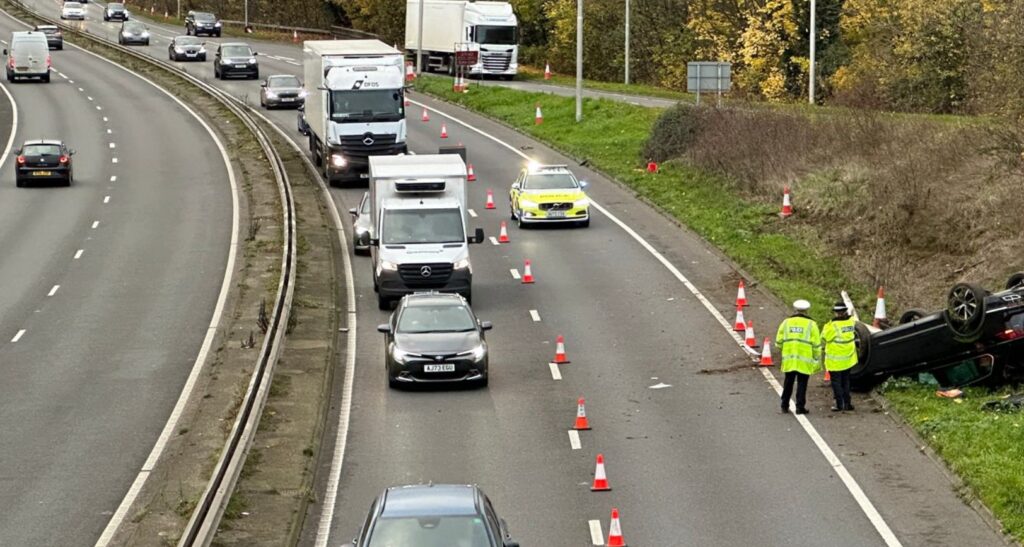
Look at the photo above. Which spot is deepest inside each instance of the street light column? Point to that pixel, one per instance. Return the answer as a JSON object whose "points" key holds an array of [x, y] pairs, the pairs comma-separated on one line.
{"points": [[627, 42], [579, 60], [814, 37]]}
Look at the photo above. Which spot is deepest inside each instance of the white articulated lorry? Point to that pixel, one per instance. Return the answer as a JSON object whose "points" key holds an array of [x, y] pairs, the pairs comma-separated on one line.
{"points": [[420, 237], [356, 105], [488, 27]]}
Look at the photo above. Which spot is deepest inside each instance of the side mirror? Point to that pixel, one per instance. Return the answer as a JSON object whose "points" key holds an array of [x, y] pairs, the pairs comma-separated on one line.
{"points": [[5, 51], [17, 152], [71, 152], [354, 212], [302, 108], [385, 328], [515, 185], [375, 241], [486, 325], [254, 54], [263, 84], [478, 236], [584, 184]]}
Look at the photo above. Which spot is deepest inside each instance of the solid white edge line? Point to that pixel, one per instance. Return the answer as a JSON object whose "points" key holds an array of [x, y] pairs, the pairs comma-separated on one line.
{"points": [[555, 373], [535, 316], [53, 291], [515, 273], [18, 336], [596, 533], [851, 484], [78, 254], [574, 440], [14, 125]]}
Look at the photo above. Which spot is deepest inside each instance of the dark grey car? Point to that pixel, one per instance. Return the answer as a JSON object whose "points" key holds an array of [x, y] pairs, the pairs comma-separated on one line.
{"points": [[54, 36], [433, 515], [115, 12], [186, 48], [133, 32], [235, 59], [435, 337], [362, 224], [201, 22], [282, 90]]}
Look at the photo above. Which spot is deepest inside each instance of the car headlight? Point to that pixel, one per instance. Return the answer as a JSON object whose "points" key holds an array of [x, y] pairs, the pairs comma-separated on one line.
{"points": [[202, 50], [400, 356], [217, 24], [461, 264], [389, 266], [252, 61], [271, 93], [179, 50], [583, 202], [145, 34], [338, 160], [225, 62], [527, 203], [479, 352]]}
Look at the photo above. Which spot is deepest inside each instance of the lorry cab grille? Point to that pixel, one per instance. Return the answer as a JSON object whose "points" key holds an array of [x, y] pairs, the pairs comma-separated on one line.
{"points": [[436, 275], [496, 61], [355, 145]]}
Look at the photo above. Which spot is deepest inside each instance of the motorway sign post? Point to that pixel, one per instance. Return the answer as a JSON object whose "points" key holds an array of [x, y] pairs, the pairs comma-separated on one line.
{"points": [[709, 76]]}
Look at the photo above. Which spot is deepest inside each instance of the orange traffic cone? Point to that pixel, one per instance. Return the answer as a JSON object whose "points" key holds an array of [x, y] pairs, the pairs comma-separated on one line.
{"points": [[410, 73], [560, 356], [751, 340], [490, 199], [538, 118], [741, 295], [581, 417], [740, 325], [879, 308], [426, 115], [547, 71], [407, 103], [615, 538], [652, 167], [527, 274], [470, 175], [600, 479], [444, 131], [787, 207], [295, 36], [503, 235], [766, 353]]}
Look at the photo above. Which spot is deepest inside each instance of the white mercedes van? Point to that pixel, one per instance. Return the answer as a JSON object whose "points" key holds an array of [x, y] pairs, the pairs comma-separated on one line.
{"points": [[28, 56]]}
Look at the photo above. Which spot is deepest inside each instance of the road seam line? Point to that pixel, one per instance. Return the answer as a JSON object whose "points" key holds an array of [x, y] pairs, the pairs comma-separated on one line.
{"points": [[555, 373], [574, 440], [535, 316]]}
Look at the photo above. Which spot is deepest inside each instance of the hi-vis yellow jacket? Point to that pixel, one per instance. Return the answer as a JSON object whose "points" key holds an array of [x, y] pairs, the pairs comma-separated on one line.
{"points": [[800, 343]]}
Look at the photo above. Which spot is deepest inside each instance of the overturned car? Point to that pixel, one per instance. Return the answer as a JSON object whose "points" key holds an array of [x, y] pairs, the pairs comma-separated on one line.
{"points": [[979, 337]]}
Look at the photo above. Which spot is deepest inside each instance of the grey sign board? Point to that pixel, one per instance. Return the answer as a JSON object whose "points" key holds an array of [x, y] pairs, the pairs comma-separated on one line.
{"points": [[708, 76]]}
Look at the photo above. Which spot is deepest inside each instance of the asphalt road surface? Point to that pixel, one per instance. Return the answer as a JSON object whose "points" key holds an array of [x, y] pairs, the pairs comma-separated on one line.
{"points": [[107, 289], [706, 461]]}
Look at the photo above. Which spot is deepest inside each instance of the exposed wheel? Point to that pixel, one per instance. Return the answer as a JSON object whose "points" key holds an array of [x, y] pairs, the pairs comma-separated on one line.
{"points": [[860, 377], [393, 383], [46, 78], [1016, 280], [67, 181], [519, 221], [913, 314], [965, 311]]}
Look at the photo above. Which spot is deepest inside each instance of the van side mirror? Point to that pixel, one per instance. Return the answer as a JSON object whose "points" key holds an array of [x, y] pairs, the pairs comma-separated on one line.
{"points": [[263, 84], [5, 51], [515, 185], [375, 241], [71, 152], [353, 211], [486, 325], [385, 328], [478, 236]]}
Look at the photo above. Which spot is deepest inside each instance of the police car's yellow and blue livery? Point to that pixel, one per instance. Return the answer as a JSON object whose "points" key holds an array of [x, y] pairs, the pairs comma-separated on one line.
{"points": [[548, 193]]}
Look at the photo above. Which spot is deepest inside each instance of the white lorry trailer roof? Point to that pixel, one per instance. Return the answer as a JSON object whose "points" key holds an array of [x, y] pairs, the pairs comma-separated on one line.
{"points": [[349, 47], [419, 166]]}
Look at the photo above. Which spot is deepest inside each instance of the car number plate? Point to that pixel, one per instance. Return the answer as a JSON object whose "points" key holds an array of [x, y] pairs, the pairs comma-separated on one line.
{"points": [[41, 173], [556, 214], [364, 175], [288, 99], [447, 367], [239, 66]]}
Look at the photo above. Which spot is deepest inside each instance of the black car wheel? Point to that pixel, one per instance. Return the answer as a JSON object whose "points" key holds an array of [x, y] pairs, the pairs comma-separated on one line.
{"points": [[913, 314], [19, 183], [965, 311], [1016, 280], [383, 302], [860, 379]]}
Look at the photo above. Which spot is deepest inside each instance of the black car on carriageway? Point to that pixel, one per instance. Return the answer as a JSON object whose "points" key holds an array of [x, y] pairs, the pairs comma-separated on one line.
{"points": [[43, 161]]}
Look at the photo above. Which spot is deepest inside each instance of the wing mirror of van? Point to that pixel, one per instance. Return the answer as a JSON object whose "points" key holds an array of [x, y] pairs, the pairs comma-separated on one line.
{"points": [[5, 51], [71, 152], [478, 236]]}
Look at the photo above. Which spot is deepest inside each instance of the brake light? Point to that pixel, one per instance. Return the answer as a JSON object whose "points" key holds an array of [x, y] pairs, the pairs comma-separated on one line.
{"points": [[21, 160], [1009, 334], [49, 62], [63, 159], [10, 62]]}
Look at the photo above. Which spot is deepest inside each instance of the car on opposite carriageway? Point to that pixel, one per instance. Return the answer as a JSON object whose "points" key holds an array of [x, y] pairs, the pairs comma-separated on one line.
{"points": [[548, 194], [133, 32], [44, 160], [186, 48], [72, 10], [54, 36], [433, 515], [115, 11], [201, 22]]}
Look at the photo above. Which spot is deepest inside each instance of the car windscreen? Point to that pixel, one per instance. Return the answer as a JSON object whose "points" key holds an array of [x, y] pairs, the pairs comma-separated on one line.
{"points": [[187, 41], [41, 150], [283, 81], [115, 7], [559, 181], [422, 226], [435, 318], [487, 34], [236, 51], [72, 5], [204, 17], [366, 105], [133, 27], [366, 207]]}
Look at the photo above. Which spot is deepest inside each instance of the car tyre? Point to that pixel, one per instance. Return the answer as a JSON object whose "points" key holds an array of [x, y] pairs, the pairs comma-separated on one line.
{"points": [[584, 223], [1016, 280], [860, 380], [46, 78], [965, 311], [146, 43], [913, 314], [383, 302], [19, 183]]}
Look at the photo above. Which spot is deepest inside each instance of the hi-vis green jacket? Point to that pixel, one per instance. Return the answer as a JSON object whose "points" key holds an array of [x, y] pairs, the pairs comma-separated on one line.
{"points": [[840, 347], [800, 343]]}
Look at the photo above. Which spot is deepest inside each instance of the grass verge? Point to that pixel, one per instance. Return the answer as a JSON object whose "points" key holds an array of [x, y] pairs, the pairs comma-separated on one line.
{"points": [[530, 73]]}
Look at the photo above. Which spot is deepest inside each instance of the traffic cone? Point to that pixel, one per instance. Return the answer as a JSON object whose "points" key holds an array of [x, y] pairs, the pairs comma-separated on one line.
{"points": [[538, 118], [581, 417], [740, 325], [766, 354], [152, 9], [652, 167], [444, 131], [560, 356], [166, 14], [600, 479], [426, 116], [741, 295], [527, 274], [490, 199], [547, 71], [615, 538], [410, 73], [295, 36], [470, 175], [879, 308], [751, 340], [503, 235], [787, 207]]}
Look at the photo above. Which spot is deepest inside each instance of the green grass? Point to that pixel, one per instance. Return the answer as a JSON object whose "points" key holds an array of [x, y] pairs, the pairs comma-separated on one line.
{"points": [[985, 448], [530, 73], [611, 137]]}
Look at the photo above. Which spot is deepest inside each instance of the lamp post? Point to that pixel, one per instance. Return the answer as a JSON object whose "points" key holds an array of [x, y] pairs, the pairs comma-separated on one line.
{"points": [[810, 83], [627, 42], [579, 60]]}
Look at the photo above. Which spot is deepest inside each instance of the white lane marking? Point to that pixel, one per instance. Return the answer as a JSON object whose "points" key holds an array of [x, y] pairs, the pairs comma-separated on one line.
{"points": [[78, 254], [62, 75], [18, 336], [112, 145], [95, 224], [14, 125], [535, 316], [113, 160], [113, 178], [53, 291], [90, 98], [472, 213], [515, 273], [70, 81], [106, 199], [596, 533], [80, 89], [574, 440], [98, 107], [109, 131], [851, 484], [494, 240], [105, 120], [555, 373]]}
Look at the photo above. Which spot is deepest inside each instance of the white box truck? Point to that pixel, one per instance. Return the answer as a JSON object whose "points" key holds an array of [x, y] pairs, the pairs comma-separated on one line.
{"points": [[420, 236], [490, 28], [356, 105]]}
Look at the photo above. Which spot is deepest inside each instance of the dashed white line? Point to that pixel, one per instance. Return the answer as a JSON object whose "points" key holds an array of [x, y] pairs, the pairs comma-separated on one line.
{"points": [[87, 97], [98, 107], [70, 81], [596, 533], [18, 336], [574, 440], [535, 316], [113, 160], [106, 199], [95, 224], [109, 131], [78, 254], [62, 75], [112, 145], [105, 120], [494, 241], [80, 89], [53, 291], [113, 178], [472, 213], [515, 273], [555, 373]]}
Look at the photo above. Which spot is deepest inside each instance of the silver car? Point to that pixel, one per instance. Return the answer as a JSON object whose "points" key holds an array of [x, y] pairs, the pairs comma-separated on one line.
{"points": [[72, 10], [362, 225], [282, 90]]}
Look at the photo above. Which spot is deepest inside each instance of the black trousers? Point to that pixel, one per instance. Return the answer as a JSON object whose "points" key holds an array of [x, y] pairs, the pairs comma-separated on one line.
{"points": [[841, 389], [801, 389]]}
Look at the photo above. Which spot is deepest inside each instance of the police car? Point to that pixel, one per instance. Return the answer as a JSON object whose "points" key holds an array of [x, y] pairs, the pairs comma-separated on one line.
{"points": [[548, 193]]}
